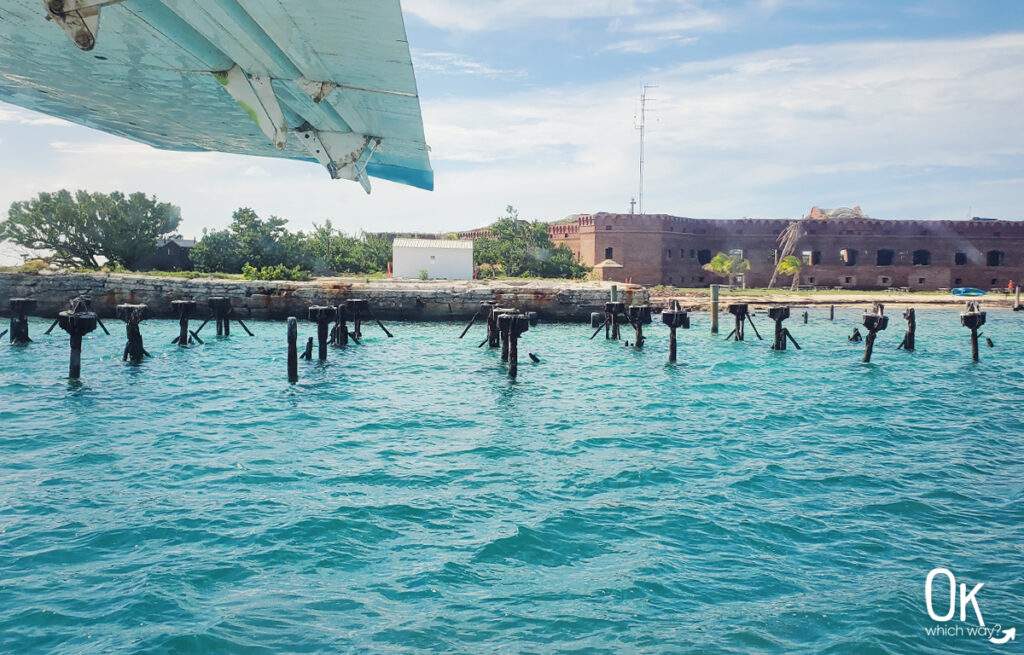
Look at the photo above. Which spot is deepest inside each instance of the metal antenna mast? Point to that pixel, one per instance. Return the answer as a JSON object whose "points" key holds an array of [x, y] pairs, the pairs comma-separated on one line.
{"points": [[642, 126]]}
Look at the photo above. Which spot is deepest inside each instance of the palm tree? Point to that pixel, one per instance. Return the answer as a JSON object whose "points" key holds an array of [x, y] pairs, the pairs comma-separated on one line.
{"points": [[788, 239], [726, 266], [790, 265]]}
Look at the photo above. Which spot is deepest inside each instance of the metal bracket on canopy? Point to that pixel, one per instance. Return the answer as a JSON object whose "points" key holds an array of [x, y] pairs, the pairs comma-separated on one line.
{"points": [[345, 154], [80, 19], [256, 96]]}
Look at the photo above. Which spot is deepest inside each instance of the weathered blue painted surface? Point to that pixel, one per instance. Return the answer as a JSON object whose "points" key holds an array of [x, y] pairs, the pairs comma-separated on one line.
{"points": [[157, 73]]}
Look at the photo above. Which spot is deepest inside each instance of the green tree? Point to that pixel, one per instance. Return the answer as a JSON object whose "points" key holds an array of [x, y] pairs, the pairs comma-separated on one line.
{"points": [[80, 229], [791, 265], [253, 241], [520, 248], [727, 266]]}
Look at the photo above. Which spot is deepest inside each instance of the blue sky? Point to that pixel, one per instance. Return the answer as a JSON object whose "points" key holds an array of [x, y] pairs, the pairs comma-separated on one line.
{"points": [[762, 108]]}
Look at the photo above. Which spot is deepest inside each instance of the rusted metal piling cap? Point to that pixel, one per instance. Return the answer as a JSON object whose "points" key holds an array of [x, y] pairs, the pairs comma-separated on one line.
{"points": [[676, 319], [487, 304], [875, 322], [640, 314], [22, 306], [183, 307], [322, 313], [131, 313], [77, 322], [738, 309], [778, 312], [615, 307], [357, 304], [220, 304], [516, 322], [973, 318]]}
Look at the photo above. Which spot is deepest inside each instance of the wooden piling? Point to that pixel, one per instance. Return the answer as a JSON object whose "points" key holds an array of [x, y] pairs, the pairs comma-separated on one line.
{"points": [[778, 314], [20, 308], [133, 315], [831, 312], [674, 318], [908, 338], [1016, 303], [76, 324], [222, 309], [875, 321], [293, 352], [714, 308], [322, 316], [973, 318], [184, 309]]}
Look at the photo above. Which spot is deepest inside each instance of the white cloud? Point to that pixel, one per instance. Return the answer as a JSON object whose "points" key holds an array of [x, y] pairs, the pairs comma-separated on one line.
{"points": [[474, 15], [451, 63], [648, 44], [9, 114]]}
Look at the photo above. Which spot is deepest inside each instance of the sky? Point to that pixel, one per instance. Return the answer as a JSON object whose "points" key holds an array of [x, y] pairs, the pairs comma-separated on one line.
{"points": [[759, 108]]}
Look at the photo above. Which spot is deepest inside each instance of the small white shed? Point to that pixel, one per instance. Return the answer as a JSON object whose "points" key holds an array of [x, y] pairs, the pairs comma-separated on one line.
{"points": [[448, 259]]}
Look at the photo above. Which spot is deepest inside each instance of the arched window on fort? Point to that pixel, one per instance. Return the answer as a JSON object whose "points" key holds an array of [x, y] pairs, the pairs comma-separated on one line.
{"points": [[922, 258], [848, 256], [994, 258], [884, 258], [960, 259], [608, 252], [703, 257]]}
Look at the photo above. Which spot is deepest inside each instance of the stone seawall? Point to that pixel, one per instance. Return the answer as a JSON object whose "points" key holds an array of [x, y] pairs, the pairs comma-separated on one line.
{"points": [[415, 300]]}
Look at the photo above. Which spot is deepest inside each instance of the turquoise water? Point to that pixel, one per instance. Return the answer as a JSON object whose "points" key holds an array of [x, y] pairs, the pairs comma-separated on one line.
{"points": [[408, 497]]}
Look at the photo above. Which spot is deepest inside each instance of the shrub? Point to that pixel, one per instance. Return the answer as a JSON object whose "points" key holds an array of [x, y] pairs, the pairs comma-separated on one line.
{"points": [[278, 272], [33, 266]]}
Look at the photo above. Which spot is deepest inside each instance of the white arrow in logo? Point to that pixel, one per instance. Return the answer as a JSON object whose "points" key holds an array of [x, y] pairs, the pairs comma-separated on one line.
{"points": [[1008, 635]]}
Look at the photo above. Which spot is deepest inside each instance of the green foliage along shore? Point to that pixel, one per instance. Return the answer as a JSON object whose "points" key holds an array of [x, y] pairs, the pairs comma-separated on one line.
{"points": [[119, 233]]}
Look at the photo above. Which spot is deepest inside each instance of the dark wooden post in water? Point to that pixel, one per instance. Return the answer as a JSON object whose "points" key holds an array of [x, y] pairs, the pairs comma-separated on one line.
{"points": [[714, 309], [739, 312], [1016, 302], [223, 314], [77, 322], [973, 318], [511, 326], [132, 315], [779, 313], [357, 308], [611, 316], [20, 307], [184, 309], [293, 349], [831, 312], [908, 338], [875, 321], [322, 316], [339, 333], [639, 315], [674, 318], [742, 313]]}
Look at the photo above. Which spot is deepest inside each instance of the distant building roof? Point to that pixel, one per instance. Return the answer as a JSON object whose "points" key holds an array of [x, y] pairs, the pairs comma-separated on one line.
{"points": [[839, 212], [181, 243], [454, 244]]}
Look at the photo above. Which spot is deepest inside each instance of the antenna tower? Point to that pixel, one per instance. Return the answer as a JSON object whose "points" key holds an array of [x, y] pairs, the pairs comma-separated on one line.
{"points": [[640, 123]]}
